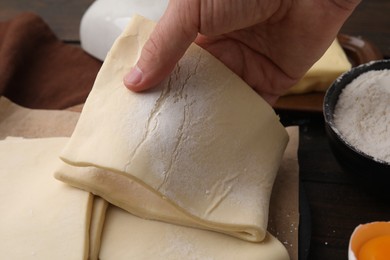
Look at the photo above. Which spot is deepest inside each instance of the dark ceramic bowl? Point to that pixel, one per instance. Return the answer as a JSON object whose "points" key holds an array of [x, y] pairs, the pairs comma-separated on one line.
{"points": [[371, 174]]}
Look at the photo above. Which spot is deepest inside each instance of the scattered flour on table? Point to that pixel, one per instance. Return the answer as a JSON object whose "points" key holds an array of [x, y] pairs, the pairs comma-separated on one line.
{"points": [[362, 114]]}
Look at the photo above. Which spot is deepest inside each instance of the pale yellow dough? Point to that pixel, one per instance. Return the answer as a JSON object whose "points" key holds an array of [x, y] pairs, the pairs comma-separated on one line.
{"points": [[41, 217], [202, 141], [96, 226], [128, 237], [320, 76]]}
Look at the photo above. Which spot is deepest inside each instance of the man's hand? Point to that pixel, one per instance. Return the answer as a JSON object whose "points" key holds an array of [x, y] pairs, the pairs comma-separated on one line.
{"points": [[270, 44]]}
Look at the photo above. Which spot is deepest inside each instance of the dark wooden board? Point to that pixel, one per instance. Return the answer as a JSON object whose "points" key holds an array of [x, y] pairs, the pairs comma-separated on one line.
{"points": [[371, 20]]}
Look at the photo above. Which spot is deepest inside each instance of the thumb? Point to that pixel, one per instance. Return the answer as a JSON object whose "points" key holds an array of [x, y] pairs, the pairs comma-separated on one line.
{"points": [[172, 36]]}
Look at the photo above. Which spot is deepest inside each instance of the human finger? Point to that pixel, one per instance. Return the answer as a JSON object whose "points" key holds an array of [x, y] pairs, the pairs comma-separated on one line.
{"points": [[171, 37]]}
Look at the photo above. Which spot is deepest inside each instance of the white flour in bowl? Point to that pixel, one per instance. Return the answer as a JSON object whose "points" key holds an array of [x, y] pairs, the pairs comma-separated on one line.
{"points": [[362, 114]]}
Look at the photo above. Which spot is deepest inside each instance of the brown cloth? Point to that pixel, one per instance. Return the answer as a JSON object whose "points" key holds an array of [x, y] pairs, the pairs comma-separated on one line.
{"points": [[37, 70]]}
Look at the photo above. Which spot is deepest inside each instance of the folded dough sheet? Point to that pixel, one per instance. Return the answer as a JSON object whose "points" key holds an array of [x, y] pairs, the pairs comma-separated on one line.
{"points": [[202, 149], [46, 219], [39, 211]]}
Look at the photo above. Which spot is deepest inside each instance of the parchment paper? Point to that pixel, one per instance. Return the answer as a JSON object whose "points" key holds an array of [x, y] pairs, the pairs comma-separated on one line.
{"points": [[284, 210]]}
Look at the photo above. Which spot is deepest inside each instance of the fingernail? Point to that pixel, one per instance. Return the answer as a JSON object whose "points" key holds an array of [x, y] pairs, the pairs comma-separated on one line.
{"points": [[133, 77]]}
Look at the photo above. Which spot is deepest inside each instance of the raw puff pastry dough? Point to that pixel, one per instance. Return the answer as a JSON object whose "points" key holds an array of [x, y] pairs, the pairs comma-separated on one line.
{"points": [[128, 237], [120, 228], [203, 143], [41, 217]]}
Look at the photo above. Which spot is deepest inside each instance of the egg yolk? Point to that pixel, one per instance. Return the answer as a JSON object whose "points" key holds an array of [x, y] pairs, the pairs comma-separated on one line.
{"points": [[377, 248]]}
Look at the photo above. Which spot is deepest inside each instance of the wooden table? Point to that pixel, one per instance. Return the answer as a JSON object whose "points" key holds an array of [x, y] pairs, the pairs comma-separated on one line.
{"points": [[335, 204]]}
